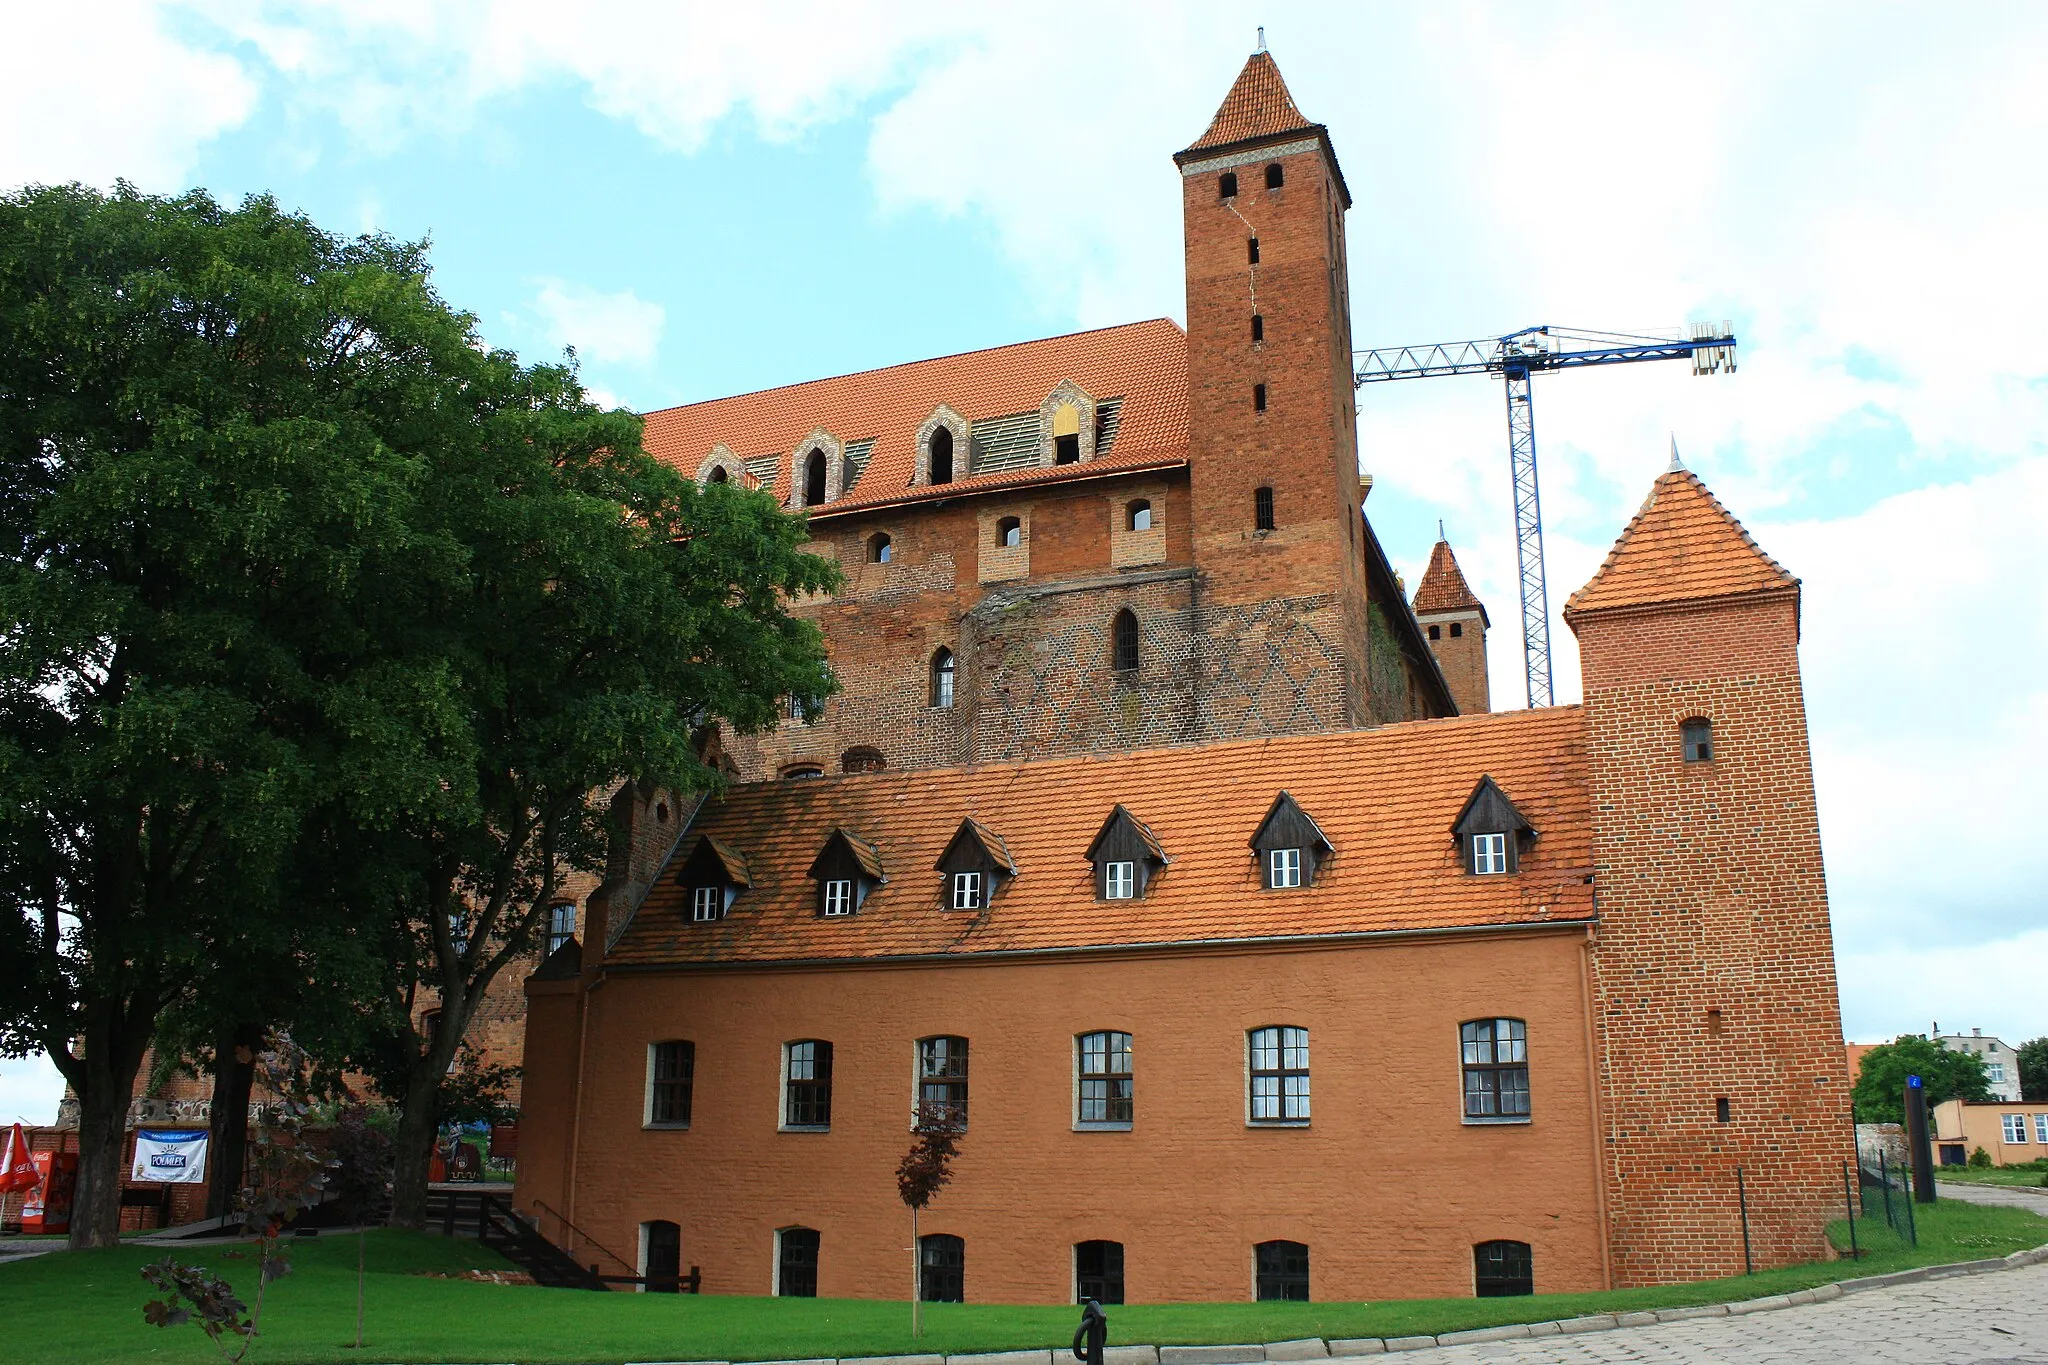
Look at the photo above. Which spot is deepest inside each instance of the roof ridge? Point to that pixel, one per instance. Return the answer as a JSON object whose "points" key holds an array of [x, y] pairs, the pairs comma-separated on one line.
{"points": [[906, 364]]}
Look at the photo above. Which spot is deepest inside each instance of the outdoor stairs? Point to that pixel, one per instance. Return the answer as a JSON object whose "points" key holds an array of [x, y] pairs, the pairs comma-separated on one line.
{"points": [[472, 1212]]}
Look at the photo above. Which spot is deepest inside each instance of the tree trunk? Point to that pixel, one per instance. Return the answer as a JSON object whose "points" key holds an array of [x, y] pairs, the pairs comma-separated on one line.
{"points": [[102, 1126], [916, 1279], [412, 1151], [234, 1077]]}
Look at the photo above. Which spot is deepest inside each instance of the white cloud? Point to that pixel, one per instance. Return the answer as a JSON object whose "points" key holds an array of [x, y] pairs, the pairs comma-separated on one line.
{"points": [[29, 1090], [620, 328], [101, 91]]}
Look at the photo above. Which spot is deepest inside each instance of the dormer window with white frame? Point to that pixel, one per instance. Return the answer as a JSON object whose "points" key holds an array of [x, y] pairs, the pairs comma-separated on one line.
{"points": [[848, 869], [967, 891], [974, 868], [1283, 868], [1127, 857], [1119, 880], [1290, 846], [838, 897], [716, 873], [707, 904], [1491, 833]]}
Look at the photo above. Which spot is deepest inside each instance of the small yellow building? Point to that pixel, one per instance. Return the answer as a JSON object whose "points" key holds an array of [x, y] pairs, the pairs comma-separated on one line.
{"points": [[2012, 1132]]}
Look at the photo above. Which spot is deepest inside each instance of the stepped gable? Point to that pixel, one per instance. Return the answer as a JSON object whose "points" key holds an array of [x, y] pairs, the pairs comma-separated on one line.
{"points": [[1143, 364], [1258, 105], [1681, 545], [1385, 799], [1443, 586]]}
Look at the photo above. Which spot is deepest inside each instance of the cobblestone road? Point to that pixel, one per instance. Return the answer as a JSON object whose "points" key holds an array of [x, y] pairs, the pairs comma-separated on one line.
{"points": [[1994, 1319]]}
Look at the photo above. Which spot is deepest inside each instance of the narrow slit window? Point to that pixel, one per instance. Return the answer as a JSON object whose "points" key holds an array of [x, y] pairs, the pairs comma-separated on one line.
{"points": [[940, 452], [942, 679], [1252, 249], [1262, 509], [1124, 634], [1258, 398], [1721, 1108], [1258, 327]]}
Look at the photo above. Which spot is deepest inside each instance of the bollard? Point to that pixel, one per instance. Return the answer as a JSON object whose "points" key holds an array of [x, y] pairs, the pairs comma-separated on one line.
{"points": [[1090, 1336]]}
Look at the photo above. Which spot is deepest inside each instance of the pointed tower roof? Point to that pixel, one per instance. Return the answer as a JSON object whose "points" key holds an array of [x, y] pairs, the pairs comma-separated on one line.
{"points": [[1443, 586], [1259, 110], [1681, 545]]}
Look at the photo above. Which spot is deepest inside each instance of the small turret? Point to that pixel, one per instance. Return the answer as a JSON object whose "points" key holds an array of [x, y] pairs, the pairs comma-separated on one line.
{"points": [[1455, 621]]}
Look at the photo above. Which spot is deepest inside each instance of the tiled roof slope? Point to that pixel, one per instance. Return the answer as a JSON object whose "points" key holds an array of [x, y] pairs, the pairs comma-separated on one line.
{"points": [[1257, 106], [1386, 799], [1443, 586], [1681, 545], [1143, 363]]}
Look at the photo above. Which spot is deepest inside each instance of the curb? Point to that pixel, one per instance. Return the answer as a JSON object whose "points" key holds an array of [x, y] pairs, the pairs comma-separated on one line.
{"points": [[1315, 1348]]}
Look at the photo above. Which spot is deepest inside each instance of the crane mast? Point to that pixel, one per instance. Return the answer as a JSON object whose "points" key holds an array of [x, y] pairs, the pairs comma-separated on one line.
{"points": [[1516, 357]]}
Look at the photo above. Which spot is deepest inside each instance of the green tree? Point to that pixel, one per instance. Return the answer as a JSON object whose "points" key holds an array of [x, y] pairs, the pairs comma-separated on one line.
{"points": [[210, 428], [1880, 1088], [2033, 1058]]}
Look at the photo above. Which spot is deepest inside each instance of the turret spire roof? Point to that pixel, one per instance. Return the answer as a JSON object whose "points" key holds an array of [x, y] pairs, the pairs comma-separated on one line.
{"points": [[1443, 586], [1682, 545], [1257, 106]]}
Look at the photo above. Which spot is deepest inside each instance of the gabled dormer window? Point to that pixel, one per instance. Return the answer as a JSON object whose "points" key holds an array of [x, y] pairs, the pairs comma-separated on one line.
{"points": [[1491, 833], [847, 870], [1127, 857], [975, 866], [715, 873], [1289, 845]]}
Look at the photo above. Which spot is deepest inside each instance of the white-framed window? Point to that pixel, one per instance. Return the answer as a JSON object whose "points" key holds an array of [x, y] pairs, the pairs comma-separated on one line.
{"points": [[561, 924], [839, 896], [2015, 1127], [707, 903], [1279, 1074], [1489, 854], [1119, 881], [967, 891], [2041, 1127], [1283, 868], [1105, 1079], [1995, 1072]]}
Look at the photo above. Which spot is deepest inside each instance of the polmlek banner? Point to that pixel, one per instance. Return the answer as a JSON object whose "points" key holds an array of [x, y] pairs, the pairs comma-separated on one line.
{"points": [[170, 1156]]}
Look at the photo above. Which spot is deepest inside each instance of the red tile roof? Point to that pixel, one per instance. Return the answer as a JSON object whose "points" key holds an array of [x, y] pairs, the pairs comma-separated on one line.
{"points": [[1443, 586], [1680, 546], [1142, 363], [1257, 106], [1385, 798]]}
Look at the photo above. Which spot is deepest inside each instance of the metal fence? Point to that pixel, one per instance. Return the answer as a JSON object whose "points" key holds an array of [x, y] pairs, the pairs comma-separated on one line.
{"points": [[1882, 1209]]}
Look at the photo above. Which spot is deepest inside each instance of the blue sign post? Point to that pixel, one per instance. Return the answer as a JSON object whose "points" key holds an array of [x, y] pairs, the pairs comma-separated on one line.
{"points": [[1919, 1141]]}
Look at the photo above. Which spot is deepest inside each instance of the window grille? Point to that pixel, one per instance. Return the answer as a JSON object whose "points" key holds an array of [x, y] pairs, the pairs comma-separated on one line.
{"points": [[1283, 868], [707, 903], [1119, 881], [1124, 633], [941, 1268], [1502, 1270], [1496, 1062], [673, 1069], [808, 1088], [1489, 854], [839, 896], [942, 1078], [1262, 509], [1099, 1271], [1279, 1075], [797, 1263], [1282, 1270], [967, 891], [1105, 1077]]}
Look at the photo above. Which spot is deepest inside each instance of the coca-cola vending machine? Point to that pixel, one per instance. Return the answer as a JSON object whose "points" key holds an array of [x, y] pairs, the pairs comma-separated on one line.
{"points": [[48, 1206]]}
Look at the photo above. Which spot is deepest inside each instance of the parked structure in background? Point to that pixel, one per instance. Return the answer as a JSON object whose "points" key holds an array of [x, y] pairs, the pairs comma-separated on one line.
{"points": [[2001, 1063], [1154, 838], [2012, 1133]]}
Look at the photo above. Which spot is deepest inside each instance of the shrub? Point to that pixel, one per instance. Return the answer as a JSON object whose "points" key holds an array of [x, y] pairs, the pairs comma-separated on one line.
{"points": [[1980, 1158]]}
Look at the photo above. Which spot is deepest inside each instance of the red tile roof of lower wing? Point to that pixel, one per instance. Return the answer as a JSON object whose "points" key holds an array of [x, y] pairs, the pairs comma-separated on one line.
{"points": [[1386, 798], [1143, 363]]}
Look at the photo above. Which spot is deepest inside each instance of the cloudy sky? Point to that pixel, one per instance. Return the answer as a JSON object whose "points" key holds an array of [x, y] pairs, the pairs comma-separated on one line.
{"points": [[705, 199]]}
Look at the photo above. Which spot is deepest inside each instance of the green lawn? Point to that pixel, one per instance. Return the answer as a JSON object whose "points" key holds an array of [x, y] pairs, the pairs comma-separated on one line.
{"points": [[2033, 1175], [78, 1307]]}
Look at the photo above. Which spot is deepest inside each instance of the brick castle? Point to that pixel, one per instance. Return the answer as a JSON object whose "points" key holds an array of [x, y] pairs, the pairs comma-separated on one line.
{"points": [[1157, 838]]}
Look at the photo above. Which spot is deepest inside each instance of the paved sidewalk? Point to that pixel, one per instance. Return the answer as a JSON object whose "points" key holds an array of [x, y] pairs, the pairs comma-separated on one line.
{"points": [[2003, 1196], [1994, 1319]]}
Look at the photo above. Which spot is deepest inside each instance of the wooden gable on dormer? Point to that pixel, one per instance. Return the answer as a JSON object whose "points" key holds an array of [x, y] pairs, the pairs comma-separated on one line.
{"points": [[1124, 838], [1489, 811], [1287, 825], [977, 848]]}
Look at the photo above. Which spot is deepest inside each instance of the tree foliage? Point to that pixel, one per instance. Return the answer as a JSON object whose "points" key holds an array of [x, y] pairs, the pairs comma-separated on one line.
{"points": [[1880, 1087], [2033, 1062]]}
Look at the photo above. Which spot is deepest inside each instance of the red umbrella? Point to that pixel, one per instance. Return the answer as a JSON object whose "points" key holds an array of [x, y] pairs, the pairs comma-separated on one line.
{"points": [[17, 1168]]}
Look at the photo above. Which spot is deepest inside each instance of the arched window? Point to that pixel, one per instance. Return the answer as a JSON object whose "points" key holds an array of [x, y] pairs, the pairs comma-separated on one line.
{"points": [[941, 1268], [1009, 533], [1262, 509], [1697, 735], [661, 1256], [719, 475], [862, 759], [942, 678], [879, 548], [940, 450], [1124, 640], [814, 479], [1226, 185], [1502, 1270], [1138, 516], [1275, 177], [801, 772]]}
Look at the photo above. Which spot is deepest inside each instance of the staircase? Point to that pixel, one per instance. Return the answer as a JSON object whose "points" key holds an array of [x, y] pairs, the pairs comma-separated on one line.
{"points": [[512, 1237]]}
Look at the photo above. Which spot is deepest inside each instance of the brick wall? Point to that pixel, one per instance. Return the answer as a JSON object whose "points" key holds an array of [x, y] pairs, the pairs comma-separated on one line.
{"points": [[1714, 971], [1462, 657], [1388, 1186]]}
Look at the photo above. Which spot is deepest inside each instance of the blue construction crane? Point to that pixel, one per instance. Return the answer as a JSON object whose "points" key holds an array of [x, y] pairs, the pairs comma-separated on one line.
{"points": [[1516, 357]]}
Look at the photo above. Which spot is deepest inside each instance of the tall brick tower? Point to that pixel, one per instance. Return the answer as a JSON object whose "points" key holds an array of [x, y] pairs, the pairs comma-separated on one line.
{"points": [[1713, 973], [1272, 447], [1454, 619]]}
